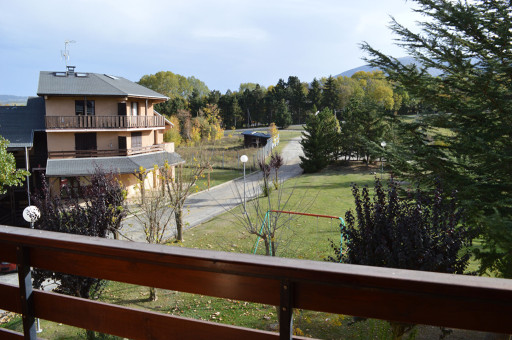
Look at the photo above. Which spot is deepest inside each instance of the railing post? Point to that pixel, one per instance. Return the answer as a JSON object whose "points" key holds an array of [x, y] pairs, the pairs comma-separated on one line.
{"points": [[286, 311], [27, 299]]}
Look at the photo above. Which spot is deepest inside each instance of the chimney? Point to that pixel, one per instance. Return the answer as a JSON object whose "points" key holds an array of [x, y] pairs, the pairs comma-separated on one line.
{"points": [[70, 70]]}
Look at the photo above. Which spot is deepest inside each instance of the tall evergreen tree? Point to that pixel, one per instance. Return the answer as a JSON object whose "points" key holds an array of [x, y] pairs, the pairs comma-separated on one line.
{"points": [[296, 98], [469, 43], [330, 95], [320, 141], [283, 116], [315, 94]]}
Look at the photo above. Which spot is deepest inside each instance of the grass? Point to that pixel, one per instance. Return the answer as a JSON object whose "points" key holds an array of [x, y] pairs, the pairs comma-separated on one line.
{"points": [[326, 193], [224, 155]]}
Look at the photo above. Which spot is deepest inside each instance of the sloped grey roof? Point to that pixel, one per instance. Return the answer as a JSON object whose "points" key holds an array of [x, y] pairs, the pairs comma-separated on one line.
{"points": [[18, 123], [255, 134], [123, 165], [91, 84]]}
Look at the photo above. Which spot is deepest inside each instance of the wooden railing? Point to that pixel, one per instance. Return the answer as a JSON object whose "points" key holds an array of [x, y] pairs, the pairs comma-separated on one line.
{"points": [[457, 301], [106, 153], [103, 122]]}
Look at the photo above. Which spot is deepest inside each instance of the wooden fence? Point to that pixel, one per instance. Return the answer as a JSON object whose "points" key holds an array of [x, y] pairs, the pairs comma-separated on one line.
{"points": [[458, 301]]}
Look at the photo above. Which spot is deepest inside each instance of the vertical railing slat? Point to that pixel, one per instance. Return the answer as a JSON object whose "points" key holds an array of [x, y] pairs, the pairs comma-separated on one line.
{"points": [[286, 311], [27, 299]]}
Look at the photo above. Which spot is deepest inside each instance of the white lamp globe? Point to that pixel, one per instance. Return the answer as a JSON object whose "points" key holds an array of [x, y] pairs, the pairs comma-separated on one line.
{"points": [[244, 158], [31, 213]]}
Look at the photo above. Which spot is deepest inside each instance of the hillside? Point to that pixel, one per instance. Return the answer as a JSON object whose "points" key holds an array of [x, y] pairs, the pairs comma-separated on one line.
{"points": [[368, 68], [7, 99]]}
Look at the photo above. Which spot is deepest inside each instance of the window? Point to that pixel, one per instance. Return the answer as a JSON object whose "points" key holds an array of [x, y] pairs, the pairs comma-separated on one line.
{"points": [[85, 141], [79, 107], [135, 109], [136, 139]]}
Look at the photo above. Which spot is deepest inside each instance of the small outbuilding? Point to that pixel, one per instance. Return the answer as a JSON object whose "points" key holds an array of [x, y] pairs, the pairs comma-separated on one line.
{"points": [[255, 139]]}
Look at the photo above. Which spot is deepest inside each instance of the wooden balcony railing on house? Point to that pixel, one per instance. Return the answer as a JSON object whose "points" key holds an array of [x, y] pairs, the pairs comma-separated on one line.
{"points": [[106, 153], [103, 122], [457, 301]]}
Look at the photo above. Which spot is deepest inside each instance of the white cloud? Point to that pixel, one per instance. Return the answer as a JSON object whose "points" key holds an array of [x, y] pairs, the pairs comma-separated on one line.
{"points": [[245, 34]]}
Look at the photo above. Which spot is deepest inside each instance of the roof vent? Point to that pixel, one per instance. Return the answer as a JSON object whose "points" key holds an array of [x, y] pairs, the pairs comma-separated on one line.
{"points": [[111, 76], [71, 69]]}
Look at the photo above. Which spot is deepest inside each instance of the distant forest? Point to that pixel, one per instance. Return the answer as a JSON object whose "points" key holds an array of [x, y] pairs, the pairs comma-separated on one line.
{"points": [[287, 102]]}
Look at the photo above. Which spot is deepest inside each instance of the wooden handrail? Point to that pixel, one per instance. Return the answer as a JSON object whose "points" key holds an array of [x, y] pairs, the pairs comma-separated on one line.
{"points": [[103, 122], [458, 301], [106, 153]]}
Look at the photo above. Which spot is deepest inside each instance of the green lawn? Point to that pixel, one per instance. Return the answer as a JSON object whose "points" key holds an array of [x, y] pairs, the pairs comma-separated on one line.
{"points": [[325, 193]]}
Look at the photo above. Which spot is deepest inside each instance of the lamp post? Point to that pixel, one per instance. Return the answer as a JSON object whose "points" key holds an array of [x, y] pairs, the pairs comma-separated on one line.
{"points": [[383, 144], [244, 160], [32, 214]]}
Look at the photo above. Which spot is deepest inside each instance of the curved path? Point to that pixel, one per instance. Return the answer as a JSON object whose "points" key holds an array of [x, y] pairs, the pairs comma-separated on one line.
{"points": [[207, 204]]}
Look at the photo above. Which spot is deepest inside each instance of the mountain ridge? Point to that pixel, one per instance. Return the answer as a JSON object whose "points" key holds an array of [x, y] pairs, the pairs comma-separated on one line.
{"points": [[368, 68], [9, 99]]}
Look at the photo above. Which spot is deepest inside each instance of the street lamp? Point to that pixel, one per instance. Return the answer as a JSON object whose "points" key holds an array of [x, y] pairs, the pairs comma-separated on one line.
{"points": [[383, 144], [244, 160], [32, 214]]}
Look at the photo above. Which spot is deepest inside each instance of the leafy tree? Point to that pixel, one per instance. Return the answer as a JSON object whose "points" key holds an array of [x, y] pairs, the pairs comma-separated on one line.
{"points": [[469, 43], [283, 116], [320, 141], [419, 232], [153, 212], [96, 212], [247, 86], [179, 184], [167, 83], [274, 132], [185, 119], [9, 174], [211, 123], [173, 135], [276, 162], [172, 106]]}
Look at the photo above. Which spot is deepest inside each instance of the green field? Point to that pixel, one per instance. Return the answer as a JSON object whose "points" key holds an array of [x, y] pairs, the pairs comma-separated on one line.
{"points": [[325, 193]]}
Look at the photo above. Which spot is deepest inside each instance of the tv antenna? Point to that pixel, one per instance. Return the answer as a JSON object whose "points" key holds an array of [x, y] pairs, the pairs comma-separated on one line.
{"points": [[65, 54]]}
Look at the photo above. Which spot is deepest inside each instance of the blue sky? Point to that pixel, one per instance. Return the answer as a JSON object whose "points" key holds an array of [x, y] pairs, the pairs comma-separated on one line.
{"points": [[223, 43]]}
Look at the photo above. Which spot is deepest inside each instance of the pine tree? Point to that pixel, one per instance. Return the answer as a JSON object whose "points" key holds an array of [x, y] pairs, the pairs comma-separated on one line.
{"points": [[315, 94], [469, 43], [320, 141], [330, 95], [283, 116]]}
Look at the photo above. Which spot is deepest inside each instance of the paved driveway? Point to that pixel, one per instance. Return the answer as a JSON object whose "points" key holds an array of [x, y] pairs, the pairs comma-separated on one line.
{"points": [[205, 205]]}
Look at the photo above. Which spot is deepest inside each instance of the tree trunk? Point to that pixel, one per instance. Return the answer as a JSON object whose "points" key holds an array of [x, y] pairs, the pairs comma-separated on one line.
{"points": [[179, 224], [152, 294], [267, 246]]}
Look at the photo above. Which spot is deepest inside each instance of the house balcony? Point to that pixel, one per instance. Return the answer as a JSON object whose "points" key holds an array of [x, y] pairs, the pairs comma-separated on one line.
{"points": [[458, 301], [103, 122], [169, 147]]}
